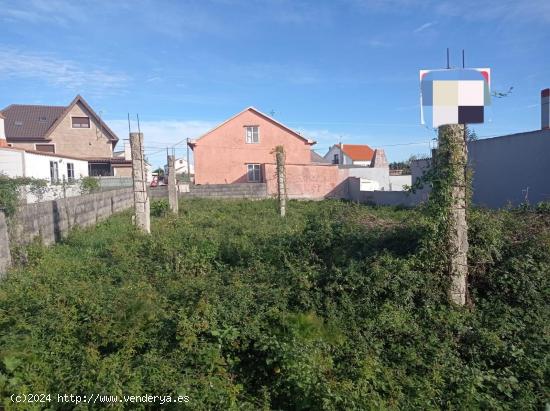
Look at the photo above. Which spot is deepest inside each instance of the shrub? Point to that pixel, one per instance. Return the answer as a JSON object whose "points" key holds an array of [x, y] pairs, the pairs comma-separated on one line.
{"points": [[159, 208], [334, 307], [89, 184]]}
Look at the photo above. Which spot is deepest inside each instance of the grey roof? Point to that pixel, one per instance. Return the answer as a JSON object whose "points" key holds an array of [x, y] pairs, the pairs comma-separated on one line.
{"points": [[316, 158], [24, 121]]}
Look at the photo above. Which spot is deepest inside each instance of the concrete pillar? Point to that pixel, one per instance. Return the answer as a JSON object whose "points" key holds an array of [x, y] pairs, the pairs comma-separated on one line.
{"points": [[172, 186], [453, 152], [5, 256], [141, 197], [281, 179]]}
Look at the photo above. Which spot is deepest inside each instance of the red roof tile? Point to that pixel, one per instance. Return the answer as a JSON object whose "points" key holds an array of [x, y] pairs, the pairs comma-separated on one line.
{"points": [[357, 152]]}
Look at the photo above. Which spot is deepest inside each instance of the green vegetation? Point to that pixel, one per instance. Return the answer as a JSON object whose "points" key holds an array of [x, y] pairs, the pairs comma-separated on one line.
{"points": [[10, 191], [89, 184], [337, 306]]}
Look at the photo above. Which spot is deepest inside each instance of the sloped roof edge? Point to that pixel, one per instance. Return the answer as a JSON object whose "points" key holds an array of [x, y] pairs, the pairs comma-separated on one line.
{"points": [[255, 110]]}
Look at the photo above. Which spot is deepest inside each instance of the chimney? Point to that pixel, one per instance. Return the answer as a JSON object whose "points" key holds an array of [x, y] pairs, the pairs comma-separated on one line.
{"points": [[3, 142], [545, 109], [379, 159]]}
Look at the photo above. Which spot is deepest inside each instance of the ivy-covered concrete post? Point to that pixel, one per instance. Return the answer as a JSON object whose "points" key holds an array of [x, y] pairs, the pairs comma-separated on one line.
{"points": [[281, 178], [452, 160]]}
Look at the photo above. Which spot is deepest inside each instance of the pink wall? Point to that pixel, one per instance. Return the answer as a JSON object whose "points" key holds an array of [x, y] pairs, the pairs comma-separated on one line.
{"points": [[314, 181], [221, 155]]}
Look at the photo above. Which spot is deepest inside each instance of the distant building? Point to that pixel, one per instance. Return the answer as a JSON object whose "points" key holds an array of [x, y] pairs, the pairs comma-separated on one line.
{"points": [[350, 154], [237, 150], [181, 167], [74, 130]]}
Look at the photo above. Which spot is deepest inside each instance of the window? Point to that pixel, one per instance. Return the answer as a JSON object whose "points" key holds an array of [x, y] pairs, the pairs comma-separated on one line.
{"points": [[18, 123], [252, 134], [54, 172], [47, 148], [70, 172], [42, 119], [254, 173], [81, 122], [336, 159]]}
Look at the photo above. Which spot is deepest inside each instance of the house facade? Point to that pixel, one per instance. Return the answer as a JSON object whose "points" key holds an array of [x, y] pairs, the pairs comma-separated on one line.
{"points": [[237, 150], [54, 168], [350, 154], [74, 130]]}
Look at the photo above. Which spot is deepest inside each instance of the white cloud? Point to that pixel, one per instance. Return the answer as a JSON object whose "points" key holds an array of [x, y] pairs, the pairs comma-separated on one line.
{"points": [[423, 27], [17, 64], [61, 12]]}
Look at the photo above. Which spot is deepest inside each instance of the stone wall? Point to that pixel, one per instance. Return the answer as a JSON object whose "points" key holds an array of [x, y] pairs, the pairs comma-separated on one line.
{"points": [[51, 220]]}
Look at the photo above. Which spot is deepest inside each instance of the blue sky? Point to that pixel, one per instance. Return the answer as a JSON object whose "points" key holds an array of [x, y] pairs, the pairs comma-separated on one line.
{"points": [[334, 70]]}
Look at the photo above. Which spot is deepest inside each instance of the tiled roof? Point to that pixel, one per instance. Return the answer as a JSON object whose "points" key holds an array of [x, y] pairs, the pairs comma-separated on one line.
{"points": [[29, 122], [33, 122], [357, 152]]}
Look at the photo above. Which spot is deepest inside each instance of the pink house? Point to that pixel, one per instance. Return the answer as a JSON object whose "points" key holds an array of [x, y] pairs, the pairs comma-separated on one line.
{"points": [[238, 150]]}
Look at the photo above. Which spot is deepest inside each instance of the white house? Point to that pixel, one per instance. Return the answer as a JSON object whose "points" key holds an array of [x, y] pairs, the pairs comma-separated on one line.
{"points": [[350, 154], [181, 167], [55, 168]]}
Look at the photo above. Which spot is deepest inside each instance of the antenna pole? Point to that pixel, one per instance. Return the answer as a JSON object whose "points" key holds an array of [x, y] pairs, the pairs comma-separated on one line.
{"points": [[462, 58], [448, 66]]}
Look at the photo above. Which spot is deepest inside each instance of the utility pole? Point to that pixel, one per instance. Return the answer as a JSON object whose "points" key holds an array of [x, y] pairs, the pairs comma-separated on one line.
{"points": [[172, 187], [452, 160], [141, 197], [281, 179]]}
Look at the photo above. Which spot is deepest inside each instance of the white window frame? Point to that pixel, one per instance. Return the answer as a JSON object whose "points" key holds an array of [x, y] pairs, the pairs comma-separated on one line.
{"points": [[256, 170], [249, 132], [70, 170], [80, 128], [54, 172]]}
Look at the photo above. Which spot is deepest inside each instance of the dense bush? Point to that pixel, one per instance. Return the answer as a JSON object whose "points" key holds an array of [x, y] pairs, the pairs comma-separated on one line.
{"points": [[338, 306], [159, 208], [10, 191]]}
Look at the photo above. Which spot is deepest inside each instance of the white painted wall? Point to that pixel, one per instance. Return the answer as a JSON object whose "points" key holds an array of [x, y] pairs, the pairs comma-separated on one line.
{"points": [[361, 163], [38, 166], [181, 166], [11, 162], [2, 131], [368, 185], [397, 182]]}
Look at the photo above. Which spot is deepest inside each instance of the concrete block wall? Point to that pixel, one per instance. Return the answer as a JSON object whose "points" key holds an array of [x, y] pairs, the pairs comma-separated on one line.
{"points": [[5, 257], [53, 219], [240, 190]]}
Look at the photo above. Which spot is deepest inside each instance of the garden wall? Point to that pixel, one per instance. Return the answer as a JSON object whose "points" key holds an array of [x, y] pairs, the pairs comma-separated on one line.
{"points": [[53, 219], [312, 181]]}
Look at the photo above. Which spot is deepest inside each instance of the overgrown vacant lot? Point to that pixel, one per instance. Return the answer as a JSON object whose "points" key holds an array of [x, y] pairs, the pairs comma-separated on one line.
{"points": [[338, 306]]}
